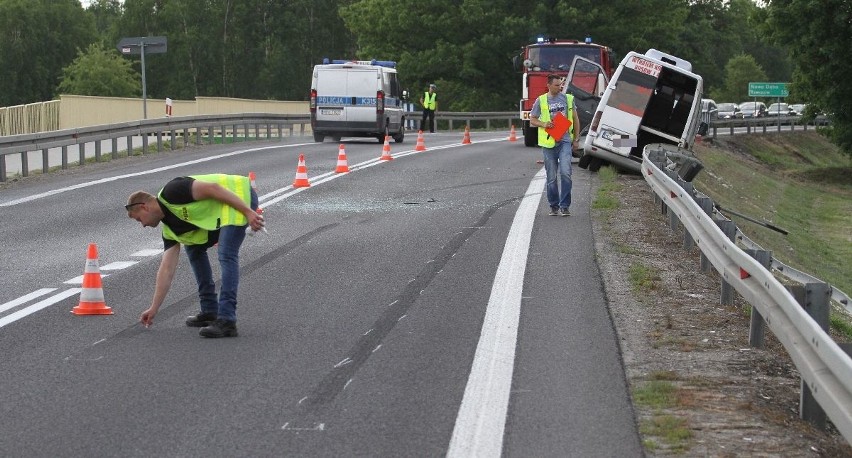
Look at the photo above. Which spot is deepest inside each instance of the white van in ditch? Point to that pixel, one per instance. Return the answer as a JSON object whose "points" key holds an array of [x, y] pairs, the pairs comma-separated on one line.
{"points": [[652, 98], [356, 99]]}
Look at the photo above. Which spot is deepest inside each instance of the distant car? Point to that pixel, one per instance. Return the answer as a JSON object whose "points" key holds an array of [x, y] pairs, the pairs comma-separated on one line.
{"points": [[709, 110], [778, 109], [798, 109], [729, 111], [753, 109]]}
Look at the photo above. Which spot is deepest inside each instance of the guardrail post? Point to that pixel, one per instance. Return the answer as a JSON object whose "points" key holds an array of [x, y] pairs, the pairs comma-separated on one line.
{"points": [[729, 228], [172, 140], [45, 161], [97, 150], [210, 135], [3, 168], [25, 164], [159, 141], [129, 145], [64, 157], [706, 204], [814, 298], [757, 326], [81, 153], [144, 144], [673, 221], [115, 148]]}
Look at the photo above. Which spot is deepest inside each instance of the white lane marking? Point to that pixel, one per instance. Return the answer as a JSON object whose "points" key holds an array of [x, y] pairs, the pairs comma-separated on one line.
{"points": [[79, 280], [148, 252], [16, 302], [147, 172], [481, 419], [12, 317], [118, 265]]}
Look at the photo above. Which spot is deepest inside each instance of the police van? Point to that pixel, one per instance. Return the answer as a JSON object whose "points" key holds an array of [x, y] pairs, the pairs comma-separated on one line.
{"points": [[356, 99], [651, 98]]}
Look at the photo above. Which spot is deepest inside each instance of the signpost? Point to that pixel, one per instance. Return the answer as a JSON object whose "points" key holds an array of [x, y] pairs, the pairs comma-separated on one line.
{"points": [[768, 90], [143, 45]]}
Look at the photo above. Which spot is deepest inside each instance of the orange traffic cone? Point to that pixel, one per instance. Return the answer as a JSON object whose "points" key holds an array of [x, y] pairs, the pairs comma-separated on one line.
{"points": [[512, 137], [342, 165], [301, 180], [466, 139], [386, 154], [421, 144], [92, 295]]}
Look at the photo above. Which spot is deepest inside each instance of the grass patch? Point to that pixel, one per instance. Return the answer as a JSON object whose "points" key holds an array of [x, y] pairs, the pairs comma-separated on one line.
{"points": [[643, 278], [658, 394], [606, 196], [673, 431]]}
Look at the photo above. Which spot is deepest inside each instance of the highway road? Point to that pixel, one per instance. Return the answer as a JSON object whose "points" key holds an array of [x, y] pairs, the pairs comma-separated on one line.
{"points": [[424, 306]]}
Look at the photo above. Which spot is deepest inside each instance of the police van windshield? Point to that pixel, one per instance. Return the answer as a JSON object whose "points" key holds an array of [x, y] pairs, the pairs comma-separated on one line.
{"points": [[556, 58]]}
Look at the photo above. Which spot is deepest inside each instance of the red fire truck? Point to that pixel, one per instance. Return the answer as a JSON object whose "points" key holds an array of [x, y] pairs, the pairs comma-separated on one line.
{"points": [[552, 55]]}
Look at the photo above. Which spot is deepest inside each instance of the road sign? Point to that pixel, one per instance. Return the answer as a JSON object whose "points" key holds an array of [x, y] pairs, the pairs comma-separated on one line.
{"points": [[134, 45], [768, 90]]}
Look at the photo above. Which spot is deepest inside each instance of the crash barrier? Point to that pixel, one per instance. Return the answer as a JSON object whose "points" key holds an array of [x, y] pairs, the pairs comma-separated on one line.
{"points": [[825, 368], [764, 125], [185, 130], [462, 119]]}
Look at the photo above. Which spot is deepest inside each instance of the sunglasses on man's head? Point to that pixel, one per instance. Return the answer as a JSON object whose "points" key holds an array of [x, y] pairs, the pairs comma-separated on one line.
{"points": [[129, 206]]}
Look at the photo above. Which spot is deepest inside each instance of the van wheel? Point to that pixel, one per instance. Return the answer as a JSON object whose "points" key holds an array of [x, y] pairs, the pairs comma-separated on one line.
{"points": [[595, 164], [318, 137], [583, 163], [400, 137]]}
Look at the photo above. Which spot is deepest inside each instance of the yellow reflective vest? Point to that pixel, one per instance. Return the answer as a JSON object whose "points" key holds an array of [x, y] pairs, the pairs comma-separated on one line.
{"points": [[208, 214], [544, 139], [429, 103]]}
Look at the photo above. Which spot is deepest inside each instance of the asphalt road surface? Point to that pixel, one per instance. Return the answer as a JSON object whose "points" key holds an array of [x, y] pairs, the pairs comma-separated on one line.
{"points": [[424, 306]]}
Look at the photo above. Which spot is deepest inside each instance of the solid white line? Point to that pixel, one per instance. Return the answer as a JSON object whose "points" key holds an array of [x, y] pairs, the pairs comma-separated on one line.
{"points": [[482, 416], [12, 317], [16, 302]]}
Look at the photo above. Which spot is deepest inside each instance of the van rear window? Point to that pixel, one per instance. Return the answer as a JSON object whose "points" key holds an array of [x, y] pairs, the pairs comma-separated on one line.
{"points": [[632, 92]]}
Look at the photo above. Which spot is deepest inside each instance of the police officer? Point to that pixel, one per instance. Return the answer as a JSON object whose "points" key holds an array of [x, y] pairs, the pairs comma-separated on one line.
{"points": [[430, 106]]}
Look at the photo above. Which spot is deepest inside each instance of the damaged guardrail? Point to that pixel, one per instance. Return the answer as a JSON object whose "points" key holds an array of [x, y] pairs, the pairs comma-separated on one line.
{"points": [[825, 368]]}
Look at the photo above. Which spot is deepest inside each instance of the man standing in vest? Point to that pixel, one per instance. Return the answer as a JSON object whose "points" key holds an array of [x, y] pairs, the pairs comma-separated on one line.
{"points": [[197, 212], [557, 153], [430, 106]]}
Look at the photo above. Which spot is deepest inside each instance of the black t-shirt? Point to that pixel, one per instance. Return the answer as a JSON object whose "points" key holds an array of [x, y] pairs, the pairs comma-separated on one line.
{"points": [[179, 191]]}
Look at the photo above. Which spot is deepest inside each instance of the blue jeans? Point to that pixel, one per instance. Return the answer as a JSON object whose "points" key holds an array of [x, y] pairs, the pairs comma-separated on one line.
{"points": [[224, 306], [557, 163]]}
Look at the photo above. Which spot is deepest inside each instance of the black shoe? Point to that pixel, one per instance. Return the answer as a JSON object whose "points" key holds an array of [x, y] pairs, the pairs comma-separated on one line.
{"points": [[200, 320], [219, 328]]}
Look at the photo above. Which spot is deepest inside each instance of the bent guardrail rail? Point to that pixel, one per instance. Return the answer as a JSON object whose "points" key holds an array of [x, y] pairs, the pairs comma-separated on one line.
{"points": [[824, 367]]}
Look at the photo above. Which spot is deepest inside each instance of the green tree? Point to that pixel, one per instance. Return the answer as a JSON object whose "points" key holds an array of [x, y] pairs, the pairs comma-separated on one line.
{"points": [[100, 72], [819, 35], [38, 39], [739, 71]]}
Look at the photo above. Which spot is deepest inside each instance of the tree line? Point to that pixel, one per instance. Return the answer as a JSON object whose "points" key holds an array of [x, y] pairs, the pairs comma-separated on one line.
{"points": [[266, 49]]}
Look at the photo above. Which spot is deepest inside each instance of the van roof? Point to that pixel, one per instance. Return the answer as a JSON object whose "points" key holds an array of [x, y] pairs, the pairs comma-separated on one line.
{"points": [[669, 59]]}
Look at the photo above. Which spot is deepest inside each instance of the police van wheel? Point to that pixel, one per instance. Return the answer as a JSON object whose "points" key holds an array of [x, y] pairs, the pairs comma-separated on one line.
{"points": [[318, 137], [583, 163], [399, 137]]}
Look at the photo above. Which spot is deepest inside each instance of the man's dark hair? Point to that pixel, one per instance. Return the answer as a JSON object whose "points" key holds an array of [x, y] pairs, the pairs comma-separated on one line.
{"points": [[553, 76]]}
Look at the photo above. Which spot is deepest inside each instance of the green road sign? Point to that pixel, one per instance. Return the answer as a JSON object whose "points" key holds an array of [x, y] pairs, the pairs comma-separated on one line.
{"points": [[768, 90]]}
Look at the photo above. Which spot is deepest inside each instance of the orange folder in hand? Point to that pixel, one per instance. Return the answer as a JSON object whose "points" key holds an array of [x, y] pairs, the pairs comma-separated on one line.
{"points": [[561, 124]]}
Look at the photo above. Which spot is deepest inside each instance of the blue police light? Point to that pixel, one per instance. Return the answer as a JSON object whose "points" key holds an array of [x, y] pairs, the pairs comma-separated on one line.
{"points": [[539, 40], [325, 61], [588, 39]]}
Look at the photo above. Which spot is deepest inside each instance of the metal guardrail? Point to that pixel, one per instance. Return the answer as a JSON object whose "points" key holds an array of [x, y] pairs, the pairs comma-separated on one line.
{"points": [[824, 367], [765, 124], [257, 123]]}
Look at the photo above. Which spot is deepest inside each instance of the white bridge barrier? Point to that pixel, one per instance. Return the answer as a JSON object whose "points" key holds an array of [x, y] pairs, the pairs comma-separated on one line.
{"points": [[825, 368]]}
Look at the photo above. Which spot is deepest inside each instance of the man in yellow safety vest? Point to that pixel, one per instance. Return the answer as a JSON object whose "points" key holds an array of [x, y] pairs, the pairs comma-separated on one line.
{"points": [[557, 152], [430, 106], [198, 212]]}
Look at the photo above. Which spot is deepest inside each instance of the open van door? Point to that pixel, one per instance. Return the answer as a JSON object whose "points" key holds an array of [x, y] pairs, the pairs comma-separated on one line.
{"points": [[587, 82]]}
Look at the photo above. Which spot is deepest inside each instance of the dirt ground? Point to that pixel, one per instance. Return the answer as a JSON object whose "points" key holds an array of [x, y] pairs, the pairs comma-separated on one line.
{"points": [[729, 400]]}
